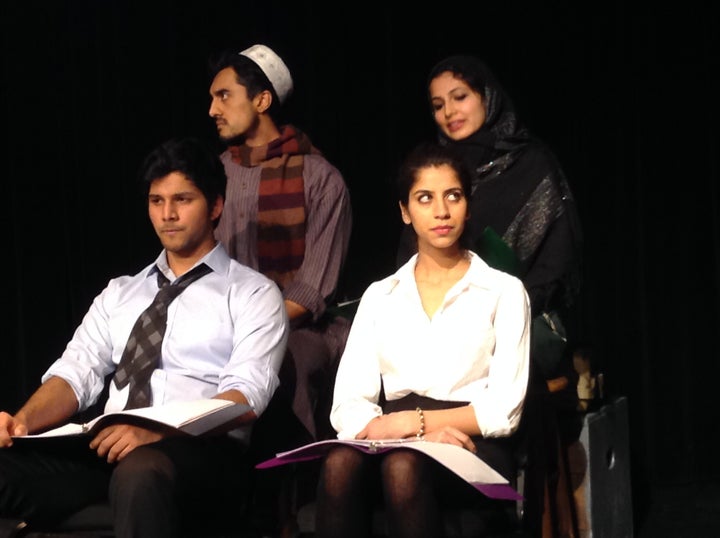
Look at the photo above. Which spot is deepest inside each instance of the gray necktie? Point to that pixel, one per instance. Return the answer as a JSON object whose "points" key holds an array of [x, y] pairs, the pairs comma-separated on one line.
{"points": [[142, 351]]}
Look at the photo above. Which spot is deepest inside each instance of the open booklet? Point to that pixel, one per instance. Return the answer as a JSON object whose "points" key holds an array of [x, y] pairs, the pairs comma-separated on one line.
{"points": [[462, 462], [193, 417]]}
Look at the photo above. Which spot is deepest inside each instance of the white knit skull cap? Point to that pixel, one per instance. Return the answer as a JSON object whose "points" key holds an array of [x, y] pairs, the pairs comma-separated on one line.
{"points": [[274, 68]]}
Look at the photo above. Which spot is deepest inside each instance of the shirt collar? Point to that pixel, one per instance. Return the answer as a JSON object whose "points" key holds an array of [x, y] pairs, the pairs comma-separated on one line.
{"points": [[404, 278], [217, 259]]}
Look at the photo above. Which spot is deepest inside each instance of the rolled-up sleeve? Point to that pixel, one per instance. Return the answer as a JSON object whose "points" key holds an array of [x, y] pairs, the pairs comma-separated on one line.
{"points": [[327, 236], [259, 342], [88, 357], [499, 403]]}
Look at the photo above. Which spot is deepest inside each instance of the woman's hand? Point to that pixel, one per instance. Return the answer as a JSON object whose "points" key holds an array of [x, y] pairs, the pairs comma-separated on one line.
{"points": [[406, 424], [396, 425], [451, 436]]}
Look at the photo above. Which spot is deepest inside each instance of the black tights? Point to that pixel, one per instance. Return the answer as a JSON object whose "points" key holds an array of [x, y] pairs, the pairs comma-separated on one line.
{"points": [[348, 488]]}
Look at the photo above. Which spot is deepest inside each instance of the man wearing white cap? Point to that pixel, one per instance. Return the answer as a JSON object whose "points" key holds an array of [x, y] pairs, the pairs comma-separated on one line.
{"points": [[288, 215]]}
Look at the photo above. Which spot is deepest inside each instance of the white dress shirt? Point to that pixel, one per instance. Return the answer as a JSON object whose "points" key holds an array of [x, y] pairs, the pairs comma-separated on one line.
{"points": [[227, 330], [474, 349]]}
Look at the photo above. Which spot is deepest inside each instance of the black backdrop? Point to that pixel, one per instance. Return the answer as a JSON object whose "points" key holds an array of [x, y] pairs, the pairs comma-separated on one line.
{"points": [[626, 96]]}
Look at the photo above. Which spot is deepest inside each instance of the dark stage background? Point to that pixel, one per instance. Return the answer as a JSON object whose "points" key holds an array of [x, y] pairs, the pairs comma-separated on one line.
{"points": [[626, 96]]}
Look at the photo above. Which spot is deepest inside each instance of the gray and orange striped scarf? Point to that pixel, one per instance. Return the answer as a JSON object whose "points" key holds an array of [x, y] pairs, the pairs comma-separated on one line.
{"points": [[281, 201]]}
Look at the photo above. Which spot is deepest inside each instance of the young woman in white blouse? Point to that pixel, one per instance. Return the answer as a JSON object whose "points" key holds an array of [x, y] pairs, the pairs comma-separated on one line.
{"points": [[437, 351]]}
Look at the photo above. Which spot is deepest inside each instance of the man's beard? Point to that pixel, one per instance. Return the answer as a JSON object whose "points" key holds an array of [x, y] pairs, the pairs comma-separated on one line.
{"points": [[237, 140]]}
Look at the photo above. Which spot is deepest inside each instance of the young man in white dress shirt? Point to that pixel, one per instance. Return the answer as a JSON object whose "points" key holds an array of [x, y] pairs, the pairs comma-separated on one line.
{"points": [[225, 337]]}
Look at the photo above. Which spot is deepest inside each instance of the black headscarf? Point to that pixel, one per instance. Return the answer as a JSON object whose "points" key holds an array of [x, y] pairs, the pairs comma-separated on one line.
{"points": [[502, 131]]}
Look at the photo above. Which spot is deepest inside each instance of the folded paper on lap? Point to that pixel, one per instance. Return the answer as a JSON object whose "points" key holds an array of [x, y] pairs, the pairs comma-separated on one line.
{"points": [[462, 462]]}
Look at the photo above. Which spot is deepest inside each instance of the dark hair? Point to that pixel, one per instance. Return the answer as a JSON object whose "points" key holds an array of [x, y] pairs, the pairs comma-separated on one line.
{"points": [[427, 155], [247, 73], [468, 69], [191, 157]]}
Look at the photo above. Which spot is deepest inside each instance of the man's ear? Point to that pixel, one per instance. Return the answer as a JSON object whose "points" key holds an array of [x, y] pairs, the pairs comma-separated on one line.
{"points": [[217, 208], [263, 101]]}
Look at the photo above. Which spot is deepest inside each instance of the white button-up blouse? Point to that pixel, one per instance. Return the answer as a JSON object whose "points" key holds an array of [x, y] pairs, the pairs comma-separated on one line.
{"points": [[475, 349]]}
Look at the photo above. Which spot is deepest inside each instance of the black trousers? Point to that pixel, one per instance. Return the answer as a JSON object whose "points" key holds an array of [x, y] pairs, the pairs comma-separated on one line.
{"points": [[180, 486]]}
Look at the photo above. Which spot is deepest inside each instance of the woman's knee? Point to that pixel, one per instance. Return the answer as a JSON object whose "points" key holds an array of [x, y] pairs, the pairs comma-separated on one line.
{"points": [[403, 472], [402, 463], [341, 467]]}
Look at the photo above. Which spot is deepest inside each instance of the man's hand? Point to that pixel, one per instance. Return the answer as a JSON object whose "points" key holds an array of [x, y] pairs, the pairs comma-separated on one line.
{"points": [[9, 426], [117, 441], [53, 403]]}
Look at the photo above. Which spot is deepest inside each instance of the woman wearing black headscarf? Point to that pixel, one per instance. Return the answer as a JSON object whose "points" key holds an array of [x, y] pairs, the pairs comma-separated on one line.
{"points": [[520, 202], [519, 189]]}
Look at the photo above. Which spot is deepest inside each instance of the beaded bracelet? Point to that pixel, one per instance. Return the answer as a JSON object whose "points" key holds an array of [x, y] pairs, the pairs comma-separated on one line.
{"points": [[420, 435]]}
